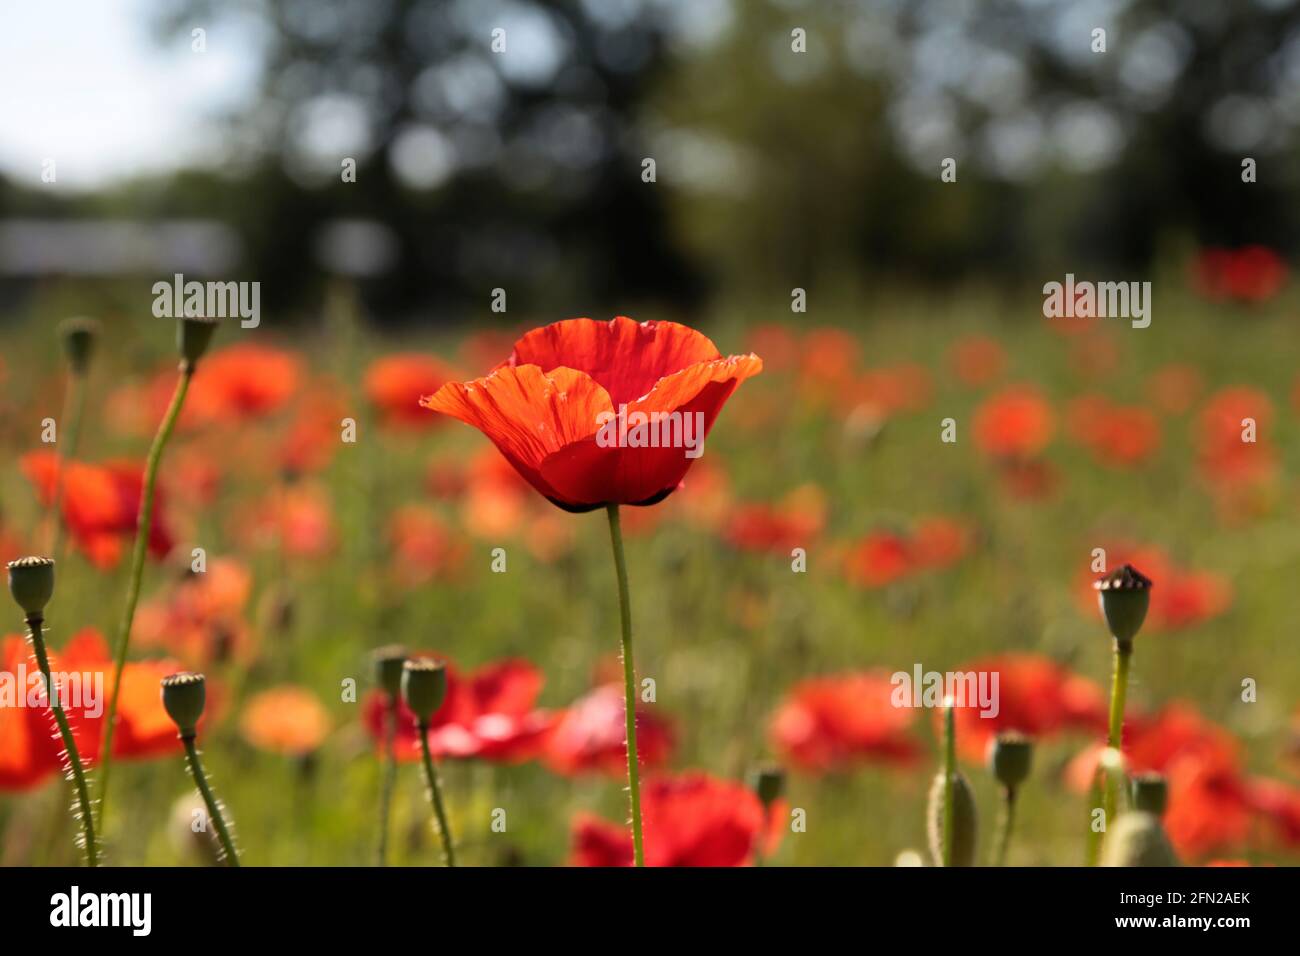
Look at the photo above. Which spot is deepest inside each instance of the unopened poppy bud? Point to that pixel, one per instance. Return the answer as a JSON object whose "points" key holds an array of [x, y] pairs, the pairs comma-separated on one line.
{"points": [[31, 582], [424, 686], [388, 661], [1124, 595], [1150, 793], [183, 697], [965, 820], [79, 335], [1010, 758], [768, 783], [193, 335], [1138, 839]]}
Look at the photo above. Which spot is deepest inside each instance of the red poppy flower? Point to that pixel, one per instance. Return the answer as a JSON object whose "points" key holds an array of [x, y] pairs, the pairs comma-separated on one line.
{"points": [[396, 385], [285, 720], [883, 557], [977, 360], [144, 729], [690, 820], [1225, 456], [591, 735], [1017, 422], [1035, 696], [202, 619], [1250, 274], [831, 723], [423, 546], [544, 407], [488, 713], [242, 382], [101, 504], [28, 755], [792, 522], [1116, 435]]}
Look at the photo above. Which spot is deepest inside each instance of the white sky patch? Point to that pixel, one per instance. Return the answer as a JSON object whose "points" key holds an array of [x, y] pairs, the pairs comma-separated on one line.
{"points": [[87, 85]]}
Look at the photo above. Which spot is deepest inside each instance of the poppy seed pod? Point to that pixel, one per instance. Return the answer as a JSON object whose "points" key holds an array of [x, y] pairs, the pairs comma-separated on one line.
{"points": [[1150, 793], [183, 697], [193, 335], [1010, 758], [424, 686], [31, 582], [79, 335], [768, 783], [388, 661], [1124, 595], [965, 820], [1138, 839]]}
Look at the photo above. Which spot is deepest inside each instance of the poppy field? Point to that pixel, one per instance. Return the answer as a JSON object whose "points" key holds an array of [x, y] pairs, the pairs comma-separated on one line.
{"points": [[888, 615]]}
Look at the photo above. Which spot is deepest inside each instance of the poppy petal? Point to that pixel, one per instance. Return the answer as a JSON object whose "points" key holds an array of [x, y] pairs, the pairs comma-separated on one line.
{"points": [[624, 356]]}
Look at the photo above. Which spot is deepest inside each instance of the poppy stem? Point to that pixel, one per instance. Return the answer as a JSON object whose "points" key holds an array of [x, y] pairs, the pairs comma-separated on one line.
{"points": [[1118, 693], [949, 772], [214, 808], [35, 625], [76, 404], [629, 685], [143, 527], [435, 797], [390, 780], [1008, 822]]}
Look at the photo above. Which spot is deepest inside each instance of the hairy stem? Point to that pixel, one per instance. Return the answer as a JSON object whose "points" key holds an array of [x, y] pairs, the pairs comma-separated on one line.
{"points": [[435, 797], [35, 624], [629, 686], [214, 808]]}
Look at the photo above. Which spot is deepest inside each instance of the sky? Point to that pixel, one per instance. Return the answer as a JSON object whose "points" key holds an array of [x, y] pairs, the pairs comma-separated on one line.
{"points": [[86, 84]]}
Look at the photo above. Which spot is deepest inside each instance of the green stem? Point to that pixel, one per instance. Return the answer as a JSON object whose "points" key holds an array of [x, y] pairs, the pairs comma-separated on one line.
{"points": [[629, 686], [1008, 822], [949, 772], [214, 808], [435, 796], [1118, 694], [390, 780], [144, 524], [76, 404], [35, 624]]}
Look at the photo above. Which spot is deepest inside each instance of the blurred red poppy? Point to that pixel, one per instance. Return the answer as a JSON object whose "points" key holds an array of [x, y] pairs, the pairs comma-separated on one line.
{"points": [[242, 382], [1034, 695], [1249, 274], [1117, 435], [883, 557], [1233, 443], [423, 546], [286, 720], [1016, 423], [201, 620], [591, 735], [544, 406], [101, 504], [1174, 387], [28, 754], [690, 820], [488, 713], [396, 385], [831, 723], [977, 360], [793, 522]]}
